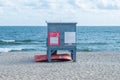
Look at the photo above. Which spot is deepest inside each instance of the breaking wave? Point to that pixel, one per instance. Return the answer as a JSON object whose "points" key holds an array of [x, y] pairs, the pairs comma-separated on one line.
{"points": [[18, 42]]}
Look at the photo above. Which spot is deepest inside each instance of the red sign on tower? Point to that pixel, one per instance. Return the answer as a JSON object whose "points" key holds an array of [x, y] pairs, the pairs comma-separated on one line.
{"points": [[54, 39]]}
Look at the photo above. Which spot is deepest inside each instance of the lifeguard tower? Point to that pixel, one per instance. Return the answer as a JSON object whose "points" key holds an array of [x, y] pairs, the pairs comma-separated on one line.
{"points": [[60, 36]]}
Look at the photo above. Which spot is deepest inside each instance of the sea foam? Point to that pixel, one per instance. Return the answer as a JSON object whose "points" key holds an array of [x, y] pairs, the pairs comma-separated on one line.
{"points": [[10, 49], [7, 40]]}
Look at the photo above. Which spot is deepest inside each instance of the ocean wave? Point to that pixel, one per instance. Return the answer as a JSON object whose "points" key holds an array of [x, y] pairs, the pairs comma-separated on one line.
{"points": [[9, 49], [7, 40], [18, 42], [86, 50], [27, 40], [93, 43], [15, 49], [117, 41], [28, 49]]}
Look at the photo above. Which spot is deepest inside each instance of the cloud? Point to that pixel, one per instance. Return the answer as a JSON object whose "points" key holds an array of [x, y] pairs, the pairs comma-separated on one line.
{"points": [[60, 6], [96, 4], [6, 3], [41, 10], [1, 10], [36, 4], [107, 4]]}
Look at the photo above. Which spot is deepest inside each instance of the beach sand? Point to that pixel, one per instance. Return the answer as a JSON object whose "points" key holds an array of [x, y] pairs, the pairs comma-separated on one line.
{"points": [[89, 66]]}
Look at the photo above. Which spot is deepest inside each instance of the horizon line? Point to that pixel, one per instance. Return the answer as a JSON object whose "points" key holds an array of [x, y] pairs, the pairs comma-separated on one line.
{"points": [[46, 25]]}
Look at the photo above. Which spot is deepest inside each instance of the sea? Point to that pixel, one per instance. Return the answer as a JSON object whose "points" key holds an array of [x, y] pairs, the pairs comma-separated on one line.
{"points": [[33, 38]]}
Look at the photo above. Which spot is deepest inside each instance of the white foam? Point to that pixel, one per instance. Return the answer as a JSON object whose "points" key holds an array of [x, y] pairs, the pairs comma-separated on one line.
{"points": [[5, 49], [9, 49], [8, 40]]}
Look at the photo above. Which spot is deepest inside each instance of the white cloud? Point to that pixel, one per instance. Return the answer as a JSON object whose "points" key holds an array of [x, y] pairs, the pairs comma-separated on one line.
{"points": [[1, 10]]}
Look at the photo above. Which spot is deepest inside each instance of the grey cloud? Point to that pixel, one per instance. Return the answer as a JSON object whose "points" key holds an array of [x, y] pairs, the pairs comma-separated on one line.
{"points": [[1, 4], [108, 6], [72, 2], [41, 4], [32, 5], [94, 4]]}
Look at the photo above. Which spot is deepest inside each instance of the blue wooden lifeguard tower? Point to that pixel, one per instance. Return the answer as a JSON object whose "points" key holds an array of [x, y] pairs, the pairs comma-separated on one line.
{"points": [[61, 36]]}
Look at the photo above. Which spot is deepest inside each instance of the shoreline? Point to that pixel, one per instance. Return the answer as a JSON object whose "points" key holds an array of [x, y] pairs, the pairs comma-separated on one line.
{"points": [[63, 52], [89, 66]]}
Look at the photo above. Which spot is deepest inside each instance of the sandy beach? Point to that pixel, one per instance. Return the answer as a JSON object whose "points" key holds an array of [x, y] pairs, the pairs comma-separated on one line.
{"points": [[89, 66]]}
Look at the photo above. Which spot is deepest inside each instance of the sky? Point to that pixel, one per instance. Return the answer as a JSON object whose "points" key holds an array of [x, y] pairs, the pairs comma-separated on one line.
{"points": [[37, 12]]}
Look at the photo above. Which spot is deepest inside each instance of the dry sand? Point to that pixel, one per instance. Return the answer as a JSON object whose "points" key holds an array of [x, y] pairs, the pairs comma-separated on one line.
{"points": [[89, 66]]}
